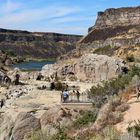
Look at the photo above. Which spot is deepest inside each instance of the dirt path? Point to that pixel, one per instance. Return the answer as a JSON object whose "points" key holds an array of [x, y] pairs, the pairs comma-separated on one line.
{"points": [[131, 115]]}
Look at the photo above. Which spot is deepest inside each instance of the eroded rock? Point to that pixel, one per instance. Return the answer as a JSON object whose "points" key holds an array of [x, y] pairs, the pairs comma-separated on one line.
{"points": [[92, 67], [25, 125]]}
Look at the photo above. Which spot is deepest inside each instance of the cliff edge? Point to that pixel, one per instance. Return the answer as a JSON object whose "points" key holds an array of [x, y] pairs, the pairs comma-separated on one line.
{"points": [[113, 22]]}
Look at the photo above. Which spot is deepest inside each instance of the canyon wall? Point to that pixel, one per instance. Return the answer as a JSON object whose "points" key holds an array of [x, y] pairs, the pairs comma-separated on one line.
{"points": [[36, 44], [118, 25]]}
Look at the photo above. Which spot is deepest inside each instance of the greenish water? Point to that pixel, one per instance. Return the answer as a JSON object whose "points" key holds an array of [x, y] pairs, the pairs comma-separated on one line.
{"points": [[32, 65]]}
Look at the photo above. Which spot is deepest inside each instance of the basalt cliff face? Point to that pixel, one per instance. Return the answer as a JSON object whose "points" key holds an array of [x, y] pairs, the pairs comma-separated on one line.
{"points": [[113, 22], [36, 44], [118, 28]]}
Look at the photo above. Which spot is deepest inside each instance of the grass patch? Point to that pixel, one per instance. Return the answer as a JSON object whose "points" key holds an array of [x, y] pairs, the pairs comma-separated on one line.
{"points": [[106, 50]]}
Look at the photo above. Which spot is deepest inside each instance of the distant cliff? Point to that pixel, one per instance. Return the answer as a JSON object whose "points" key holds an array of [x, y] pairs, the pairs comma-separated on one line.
{"points": [[113, 22], [36, 44]]}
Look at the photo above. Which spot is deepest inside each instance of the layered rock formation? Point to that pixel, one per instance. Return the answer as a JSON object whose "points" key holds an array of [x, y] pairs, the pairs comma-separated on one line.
{"points": [[36, 44], [117, 28], [114, 22]]}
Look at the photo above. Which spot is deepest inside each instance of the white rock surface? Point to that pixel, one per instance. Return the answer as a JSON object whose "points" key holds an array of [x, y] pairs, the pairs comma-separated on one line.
{"points": [[92, 67]]}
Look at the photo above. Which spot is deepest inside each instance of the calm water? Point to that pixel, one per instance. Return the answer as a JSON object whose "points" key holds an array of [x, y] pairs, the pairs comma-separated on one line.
{"points": [[32, 65]]}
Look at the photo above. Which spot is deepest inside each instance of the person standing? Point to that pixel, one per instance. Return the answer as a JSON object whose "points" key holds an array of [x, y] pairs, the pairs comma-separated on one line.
{"points": [[138, 91], [65, 95], [78, 95]]}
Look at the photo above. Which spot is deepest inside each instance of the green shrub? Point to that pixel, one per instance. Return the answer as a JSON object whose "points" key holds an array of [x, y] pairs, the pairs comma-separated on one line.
{"points": [[135, 129], [134, 71], [86, 118], [130, 58], [108, 133], [40, 135], [58, 86], [104, 50]]}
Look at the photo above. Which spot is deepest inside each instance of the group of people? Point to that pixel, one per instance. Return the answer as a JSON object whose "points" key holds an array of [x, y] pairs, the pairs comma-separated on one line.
{"points": [[65, 96]]}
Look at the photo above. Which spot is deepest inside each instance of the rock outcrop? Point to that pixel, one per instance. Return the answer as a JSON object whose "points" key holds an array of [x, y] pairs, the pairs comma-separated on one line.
{"points": [[50, 122], [91, 67], [114, 22], [3, 61], [118, 17], [36, 44], [25, 125]]}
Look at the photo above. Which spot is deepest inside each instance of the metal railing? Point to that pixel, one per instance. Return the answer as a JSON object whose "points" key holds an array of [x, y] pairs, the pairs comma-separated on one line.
{"points": [[73, 98]]}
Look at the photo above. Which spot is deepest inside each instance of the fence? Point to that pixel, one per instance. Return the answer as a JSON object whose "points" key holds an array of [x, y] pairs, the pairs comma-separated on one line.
{"points": [[74, 98]]}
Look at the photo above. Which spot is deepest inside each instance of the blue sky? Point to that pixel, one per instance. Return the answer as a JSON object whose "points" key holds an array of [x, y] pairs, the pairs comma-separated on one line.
{"points": [[63, 16]]}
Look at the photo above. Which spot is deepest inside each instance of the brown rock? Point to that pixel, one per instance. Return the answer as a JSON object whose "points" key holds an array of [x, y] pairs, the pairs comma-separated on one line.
{"points": [[24, 126], [55, 117]]}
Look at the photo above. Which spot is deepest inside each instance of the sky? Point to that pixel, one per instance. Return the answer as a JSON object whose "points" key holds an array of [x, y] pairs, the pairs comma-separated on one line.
{"points": [[61, 16]]}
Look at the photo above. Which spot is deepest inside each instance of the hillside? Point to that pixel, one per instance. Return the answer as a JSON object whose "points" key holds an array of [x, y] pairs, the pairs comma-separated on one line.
{"points": [[36, 44]]}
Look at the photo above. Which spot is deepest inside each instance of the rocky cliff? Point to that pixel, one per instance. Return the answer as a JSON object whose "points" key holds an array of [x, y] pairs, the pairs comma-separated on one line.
{"points": [[116, 33], [113, 22], [36, 44]]}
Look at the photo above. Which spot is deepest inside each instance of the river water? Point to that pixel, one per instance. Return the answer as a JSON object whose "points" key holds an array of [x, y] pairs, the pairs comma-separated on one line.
{"points": [[32, 65]]}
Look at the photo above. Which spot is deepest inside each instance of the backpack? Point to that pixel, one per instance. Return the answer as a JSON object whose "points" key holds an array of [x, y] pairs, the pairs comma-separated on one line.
{"points": [[65, 94]]}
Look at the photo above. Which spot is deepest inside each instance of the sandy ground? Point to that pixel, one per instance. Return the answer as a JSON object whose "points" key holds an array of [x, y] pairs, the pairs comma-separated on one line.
{"points": [[37, 101], [131, 115]]}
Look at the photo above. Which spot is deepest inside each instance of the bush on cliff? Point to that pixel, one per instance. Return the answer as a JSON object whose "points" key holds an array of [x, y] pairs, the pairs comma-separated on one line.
{"points": [[130, 58], [102, 92], [86, 118]]}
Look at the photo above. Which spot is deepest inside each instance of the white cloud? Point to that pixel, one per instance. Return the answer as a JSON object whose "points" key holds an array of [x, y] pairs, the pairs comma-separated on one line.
{"points": [[48, 19], [71, 19], [32, 15], [9, 7]]}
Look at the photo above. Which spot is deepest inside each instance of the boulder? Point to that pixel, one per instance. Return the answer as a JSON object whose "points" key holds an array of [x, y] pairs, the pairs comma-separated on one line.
{"points": [[47, 70], [24, 126], [57, 117]]}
